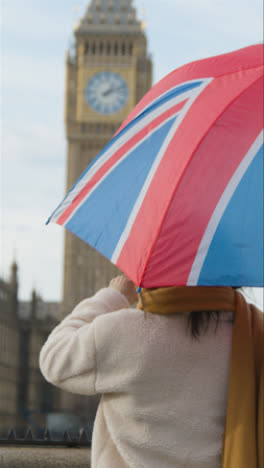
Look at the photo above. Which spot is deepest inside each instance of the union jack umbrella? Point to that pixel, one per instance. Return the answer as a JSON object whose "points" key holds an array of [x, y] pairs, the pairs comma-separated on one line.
{"points": [[176, 197]]}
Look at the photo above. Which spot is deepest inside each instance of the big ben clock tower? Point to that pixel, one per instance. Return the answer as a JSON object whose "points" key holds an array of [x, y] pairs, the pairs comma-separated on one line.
{"points": [[107, 75]]}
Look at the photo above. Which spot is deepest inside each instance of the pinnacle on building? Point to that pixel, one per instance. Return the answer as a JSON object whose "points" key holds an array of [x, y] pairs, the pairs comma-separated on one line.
{"points": [[110, 16]]}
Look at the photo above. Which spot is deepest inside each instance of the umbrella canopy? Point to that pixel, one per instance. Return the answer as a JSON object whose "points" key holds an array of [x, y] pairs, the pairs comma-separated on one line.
{"points": [[176, 197]]}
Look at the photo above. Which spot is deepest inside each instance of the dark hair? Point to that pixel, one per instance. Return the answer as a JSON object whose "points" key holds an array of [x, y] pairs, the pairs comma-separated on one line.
{"points": [[199, 321]]}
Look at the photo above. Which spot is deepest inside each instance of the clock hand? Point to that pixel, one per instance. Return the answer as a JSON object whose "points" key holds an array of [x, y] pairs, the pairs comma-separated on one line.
{"points": [[121, 89], [113, 90], [109, 91]]}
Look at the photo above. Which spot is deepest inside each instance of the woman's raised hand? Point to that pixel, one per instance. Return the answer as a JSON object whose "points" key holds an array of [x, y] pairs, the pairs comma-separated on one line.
{"points": [[126, 287]]}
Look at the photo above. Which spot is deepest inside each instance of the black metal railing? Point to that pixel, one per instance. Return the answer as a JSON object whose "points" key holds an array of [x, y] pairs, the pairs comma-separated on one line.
{"points": [[66, 440]]}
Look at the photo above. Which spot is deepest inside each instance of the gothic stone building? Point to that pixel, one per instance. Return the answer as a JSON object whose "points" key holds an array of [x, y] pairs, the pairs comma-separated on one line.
{"points": [[25, 397]]}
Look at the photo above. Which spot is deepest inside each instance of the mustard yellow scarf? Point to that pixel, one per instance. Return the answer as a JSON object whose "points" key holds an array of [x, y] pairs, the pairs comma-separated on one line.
{"points": [[244, 433]]}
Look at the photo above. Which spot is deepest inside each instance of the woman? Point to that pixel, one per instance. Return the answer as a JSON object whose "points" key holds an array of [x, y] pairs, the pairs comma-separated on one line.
{"points": [[163, 372]]}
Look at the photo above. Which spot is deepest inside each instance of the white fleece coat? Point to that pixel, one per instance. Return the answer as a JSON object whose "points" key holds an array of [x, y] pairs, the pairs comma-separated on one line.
{"points": [[164, 394]]}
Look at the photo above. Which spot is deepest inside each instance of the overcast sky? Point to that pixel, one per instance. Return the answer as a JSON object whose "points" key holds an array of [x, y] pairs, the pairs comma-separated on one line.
{"points": [[35, 37]]}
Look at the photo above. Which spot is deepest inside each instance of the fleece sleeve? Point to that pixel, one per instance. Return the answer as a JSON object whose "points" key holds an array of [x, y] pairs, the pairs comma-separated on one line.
{"points": [[68, 358]]}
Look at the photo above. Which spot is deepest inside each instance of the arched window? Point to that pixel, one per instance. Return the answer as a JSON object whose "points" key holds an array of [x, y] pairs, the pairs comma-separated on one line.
{"points": [[101, 48], [131, 48], [86, 48], [123, 49], [108, 48], [94, 48], [117, 19], [116, 49]]}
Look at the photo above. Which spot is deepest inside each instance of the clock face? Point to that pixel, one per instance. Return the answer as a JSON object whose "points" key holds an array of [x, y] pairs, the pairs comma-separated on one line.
{"points": [[106, 93]]}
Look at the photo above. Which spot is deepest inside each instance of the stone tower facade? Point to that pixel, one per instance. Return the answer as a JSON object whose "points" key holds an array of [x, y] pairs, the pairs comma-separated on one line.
{"points": [[108, 72]]}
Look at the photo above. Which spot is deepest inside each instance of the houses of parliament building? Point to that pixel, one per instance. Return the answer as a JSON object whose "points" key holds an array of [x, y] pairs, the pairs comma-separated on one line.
{"points": [[110, 47]]}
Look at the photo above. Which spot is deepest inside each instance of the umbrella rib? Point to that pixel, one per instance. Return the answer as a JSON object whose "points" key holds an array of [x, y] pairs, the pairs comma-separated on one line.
{"points": [[184, 170]]}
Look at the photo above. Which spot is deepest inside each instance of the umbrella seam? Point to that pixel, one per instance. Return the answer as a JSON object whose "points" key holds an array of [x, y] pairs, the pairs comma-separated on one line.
{"points": [[186, 167], [217, 76], [239, 70]]}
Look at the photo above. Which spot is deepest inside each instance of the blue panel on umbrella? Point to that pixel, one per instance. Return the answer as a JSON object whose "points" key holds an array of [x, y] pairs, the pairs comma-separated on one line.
{"points": [[235, 256], [102, 218]]}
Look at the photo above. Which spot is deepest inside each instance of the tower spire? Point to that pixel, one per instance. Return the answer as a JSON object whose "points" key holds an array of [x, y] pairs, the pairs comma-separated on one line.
{"points": [[110, 16], [13, 277]]}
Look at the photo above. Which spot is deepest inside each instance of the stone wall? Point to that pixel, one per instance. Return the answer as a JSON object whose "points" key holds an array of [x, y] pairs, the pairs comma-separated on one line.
{"points": [[50, 457]]}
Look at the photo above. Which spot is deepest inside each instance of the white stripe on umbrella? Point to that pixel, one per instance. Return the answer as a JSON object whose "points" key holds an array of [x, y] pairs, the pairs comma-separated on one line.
{"points": [[220, 209], [169, 90]]}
